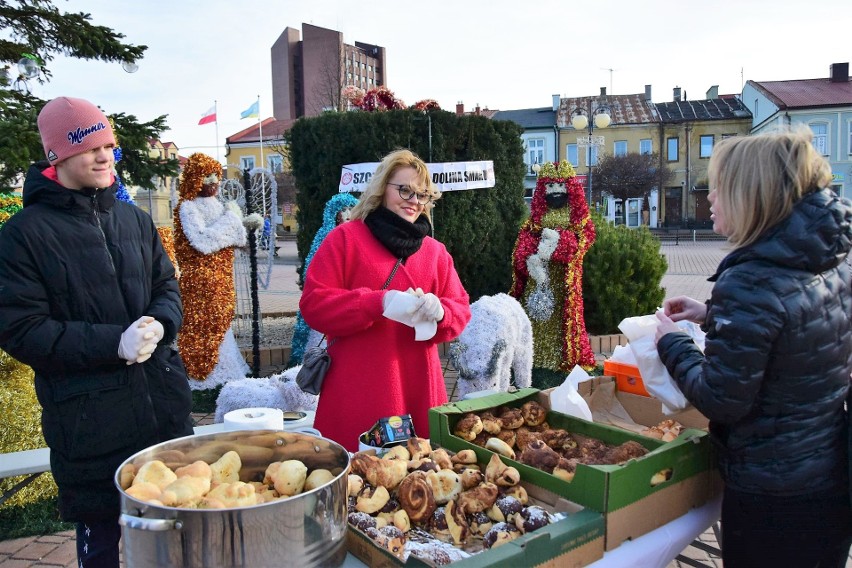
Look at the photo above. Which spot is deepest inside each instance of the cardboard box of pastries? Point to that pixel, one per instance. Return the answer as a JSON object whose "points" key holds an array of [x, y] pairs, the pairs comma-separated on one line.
{"points": [[636, 495], [570, 537]]}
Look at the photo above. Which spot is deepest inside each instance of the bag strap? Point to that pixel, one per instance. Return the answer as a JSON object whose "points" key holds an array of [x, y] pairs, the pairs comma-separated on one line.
{"points": [[386, 284]]}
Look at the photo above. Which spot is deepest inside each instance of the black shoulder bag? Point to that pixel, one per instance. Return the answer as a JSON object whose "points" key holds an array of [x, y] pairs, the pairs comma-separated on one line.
{"points": [[316, 362]]}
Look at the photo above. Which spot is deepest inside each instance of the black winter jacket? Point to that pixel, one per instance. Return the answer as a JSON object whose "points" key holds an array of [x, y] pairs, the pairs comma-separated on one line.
{"points": [[778, 354], [76, 269]]}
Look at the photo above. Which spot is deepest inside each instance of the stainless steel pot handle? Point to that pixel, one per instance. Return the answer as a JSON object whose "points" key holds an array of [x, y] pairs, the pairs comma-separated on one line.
{"points": [[142, 524]]}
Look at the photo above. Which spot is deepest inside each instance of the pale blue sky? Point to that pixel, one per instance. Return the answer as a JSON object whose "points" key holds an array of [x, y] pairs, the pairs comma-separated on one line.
{"points": [[501, 54]]}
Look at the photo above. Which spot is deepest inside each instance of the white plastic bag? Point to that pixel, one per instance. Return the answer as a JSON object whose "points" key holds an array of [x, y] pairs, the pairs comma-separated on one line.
{"points": [[566, 398], [640, 332]]}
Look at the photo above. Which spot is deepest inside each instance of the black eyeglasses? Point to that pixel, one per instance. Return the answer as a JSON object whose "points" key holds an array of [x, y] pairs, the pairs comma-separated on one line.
{"points": [[405, 192]]}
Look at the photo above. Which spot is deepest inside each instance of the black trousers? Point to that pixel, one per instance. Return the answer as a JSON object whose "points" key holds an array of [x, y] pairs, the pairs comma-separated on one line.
{"points": [[807, 531], [97, 544]]}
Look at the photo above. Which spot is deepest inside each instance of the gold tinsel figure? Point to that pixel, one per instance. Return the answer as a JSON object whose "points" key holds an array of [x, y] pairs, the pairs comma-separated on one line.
{"points": [[21, 427], [205, 235], [167, 236]]}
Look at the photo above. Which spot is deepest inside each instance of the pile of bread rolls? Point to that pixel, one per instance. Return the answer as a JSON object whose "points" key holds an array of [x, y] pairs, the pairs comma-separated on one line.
{"points": [[261, 469], [523, 434], [442, 507]]}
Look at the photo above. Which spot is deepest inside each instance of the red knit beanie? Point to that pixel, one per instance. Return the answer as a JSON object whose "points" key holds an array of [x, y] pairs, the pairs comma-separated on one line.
{"points": [[72, 126]]}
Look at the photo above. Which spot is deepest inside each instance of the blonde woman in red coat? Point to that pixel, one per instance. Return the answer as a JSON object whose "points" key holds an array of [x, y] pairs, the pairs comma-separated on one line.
{"points": [[378, 368]]}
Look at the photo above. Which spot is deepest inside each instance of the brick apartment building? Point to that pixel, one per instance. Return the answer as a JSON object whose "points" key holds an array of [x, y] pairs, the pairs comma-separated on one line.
{"points": [[309, 73]]}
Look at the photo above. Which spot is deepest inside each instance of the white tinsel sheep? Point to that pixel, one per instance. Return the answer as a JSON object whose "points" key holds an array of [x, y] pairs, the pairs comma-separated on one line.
{"points": [[276, 391], [497, 342]]}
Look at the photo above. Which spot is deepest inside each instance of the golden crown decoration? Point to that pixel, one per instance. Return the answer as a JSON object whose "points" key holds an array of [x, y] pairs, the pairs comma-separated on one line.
{"points": [[553, 170]]}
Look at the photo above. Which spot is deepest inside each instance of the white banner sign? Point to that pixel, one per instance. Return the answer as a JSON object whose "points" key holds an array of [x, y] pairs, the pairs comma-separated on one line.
{"points": [[447, 176]]}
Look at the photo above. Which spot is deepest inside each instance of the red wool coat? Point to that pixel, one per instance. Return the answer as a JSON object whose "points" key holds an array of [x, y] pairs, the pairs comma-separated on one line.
{"points": [[377, 368]]}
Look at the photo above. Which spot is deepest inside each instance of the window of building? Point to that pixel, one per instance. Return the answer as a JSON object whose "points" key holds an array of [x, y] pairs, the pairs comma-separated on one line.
{"points": [[724, 136], [247, 163], [645, 146], [671, 150], [592, 156], [849, 145], [275, 163], [620, 148], [571, 155], [535, 153], [820, 130], [706, 147]]}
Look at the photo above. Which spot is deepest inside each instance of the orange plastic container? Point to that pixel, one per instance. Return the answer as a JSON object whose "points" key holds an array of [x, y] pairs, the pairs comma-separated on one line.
{"points": [[627, 377]]}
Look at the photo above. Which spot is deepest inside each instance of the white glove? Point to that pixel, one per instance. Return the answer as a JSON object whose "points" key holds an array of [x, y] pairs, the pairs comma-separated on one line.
{"points": [[234, 208], [140, 339], [429, 309]]}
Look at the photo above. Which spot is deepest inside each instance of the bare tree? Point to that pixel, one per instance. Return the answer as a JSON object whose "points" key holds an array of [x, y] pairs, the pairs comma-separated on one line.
{"points": [[631, 176], [327, 90]]}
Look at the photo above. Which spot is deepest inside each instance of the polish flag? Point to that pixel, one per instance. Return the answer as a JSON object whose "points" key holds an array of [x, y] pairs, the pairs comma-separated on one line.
{"points": [[209, 116]]}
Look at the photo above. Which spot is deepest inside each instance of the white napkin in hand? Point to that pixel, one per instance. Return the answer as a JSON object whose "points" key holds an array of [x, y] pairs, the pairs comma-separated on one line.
{"points": [[401, 308]]}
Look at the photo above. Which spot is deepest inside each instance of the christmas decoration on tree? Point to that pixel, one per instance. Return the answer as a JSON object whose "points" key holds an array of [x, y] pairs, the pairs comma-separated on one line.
{"points": [[547, 269], [121, 193]]}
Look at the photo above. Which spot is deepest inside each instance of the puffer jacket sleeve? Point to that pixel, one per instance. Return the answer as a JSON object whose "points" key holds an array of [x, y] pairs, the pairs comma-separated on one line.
{"points": [[742, 324], [28, 332]]}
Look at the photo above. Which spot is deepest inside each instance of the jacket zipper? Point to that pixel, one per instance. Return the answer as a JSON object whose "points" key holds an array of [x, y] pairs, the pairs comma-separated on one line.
{"points": [[101, 229]]}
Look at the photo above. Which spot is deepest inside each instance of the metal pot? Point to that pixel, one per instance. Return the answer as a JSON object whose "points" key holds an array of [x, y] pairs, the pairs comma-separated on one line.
{"points": [[304, 530]]}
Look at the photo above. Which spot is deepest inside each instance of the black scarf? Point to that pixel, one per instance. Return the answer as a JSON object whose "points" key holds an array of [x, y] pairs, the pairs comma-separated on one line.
{"points": [[399, 236]]}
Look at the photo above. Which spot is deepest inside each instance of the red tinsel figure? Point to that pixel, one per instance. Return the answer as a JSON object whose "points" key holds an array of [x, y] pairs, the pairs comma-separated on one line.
{"points": [[548, 269]]}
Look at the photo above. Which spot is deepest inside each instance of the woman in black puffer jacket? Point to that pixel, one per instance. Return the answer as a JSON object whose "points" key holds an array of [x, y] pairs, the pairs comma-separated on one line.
{"points": [[775, 372]]}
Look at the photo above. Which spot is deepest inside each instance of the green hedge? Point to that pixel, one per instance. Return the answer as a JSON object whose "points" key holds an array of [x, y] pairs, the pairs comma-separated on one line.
{"points": [[478, 227], [621, 276]]}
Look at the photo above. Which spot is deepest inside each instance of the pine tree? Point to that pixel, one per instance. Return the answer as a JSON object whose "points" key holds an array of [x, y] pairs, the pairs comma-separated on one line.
{"points": [[37, 30]]}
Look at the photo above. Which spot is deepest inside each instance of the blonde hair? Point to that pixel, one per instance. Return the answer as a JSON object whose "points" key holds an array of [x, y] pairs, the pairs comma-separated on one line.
{"points": [[374, 195], [760, 178]]}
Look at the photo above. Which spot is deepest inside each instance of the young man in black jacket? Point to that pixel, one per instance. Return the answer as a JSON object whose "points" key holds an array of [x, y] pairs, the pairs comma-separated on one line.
{"points": [[88, 299]]}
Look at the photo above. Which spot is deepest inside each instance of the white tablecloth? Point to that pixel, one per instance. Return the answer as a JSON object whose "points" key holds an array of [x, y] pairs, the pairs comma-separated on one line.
{"points": [[653, 550]]}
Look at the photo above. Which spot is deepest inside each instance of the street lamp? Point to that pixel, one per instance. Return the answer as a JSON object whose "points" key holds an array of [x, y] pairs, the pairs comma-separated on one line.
{"points": [[580, 120]]}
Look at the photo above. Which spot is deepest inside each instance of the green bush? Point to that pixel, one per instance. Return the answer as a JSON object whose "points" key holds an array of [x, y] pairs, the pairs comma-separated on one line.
{"points": [[621, 276], [478, 227]]}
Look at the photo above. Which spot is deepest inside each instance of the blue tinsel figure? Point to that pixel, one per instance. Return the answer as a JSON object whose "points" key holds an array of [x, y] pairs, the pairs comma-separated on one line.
{"points": [[330, 220], [121, 194]]}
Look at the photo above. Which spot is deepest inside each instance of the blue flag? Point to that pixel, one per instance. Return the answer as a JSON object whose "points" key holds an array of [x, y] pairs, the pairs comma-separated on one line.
{"points": [[252, 111]]}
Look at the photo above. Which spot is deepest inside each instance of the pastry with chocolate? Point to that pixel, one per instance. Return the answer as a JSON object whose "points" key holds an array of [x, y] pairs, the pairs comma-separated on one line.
{"points": [[416, 497], [539, 455], [531, 518], [479, 523], [507, 436], [388, 537], [500, 534], [480, 498], [533, 413], [490, 423], [512, 418], [505, 509], [438, 522], [361, 521], [456, 523], [626, 451], [468, 427]]}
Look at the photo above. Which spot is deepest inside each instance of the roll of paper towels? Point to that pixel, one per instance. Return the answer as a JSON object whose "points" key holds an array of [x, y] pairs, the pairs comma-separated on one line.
{"points": [[254, 419]]}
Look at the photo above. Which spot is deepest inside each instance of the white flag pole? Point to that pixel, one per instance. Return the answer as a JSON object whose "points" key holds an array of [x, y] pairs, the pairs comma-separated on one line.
{"points": [[216, 110], [260, 126]]}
